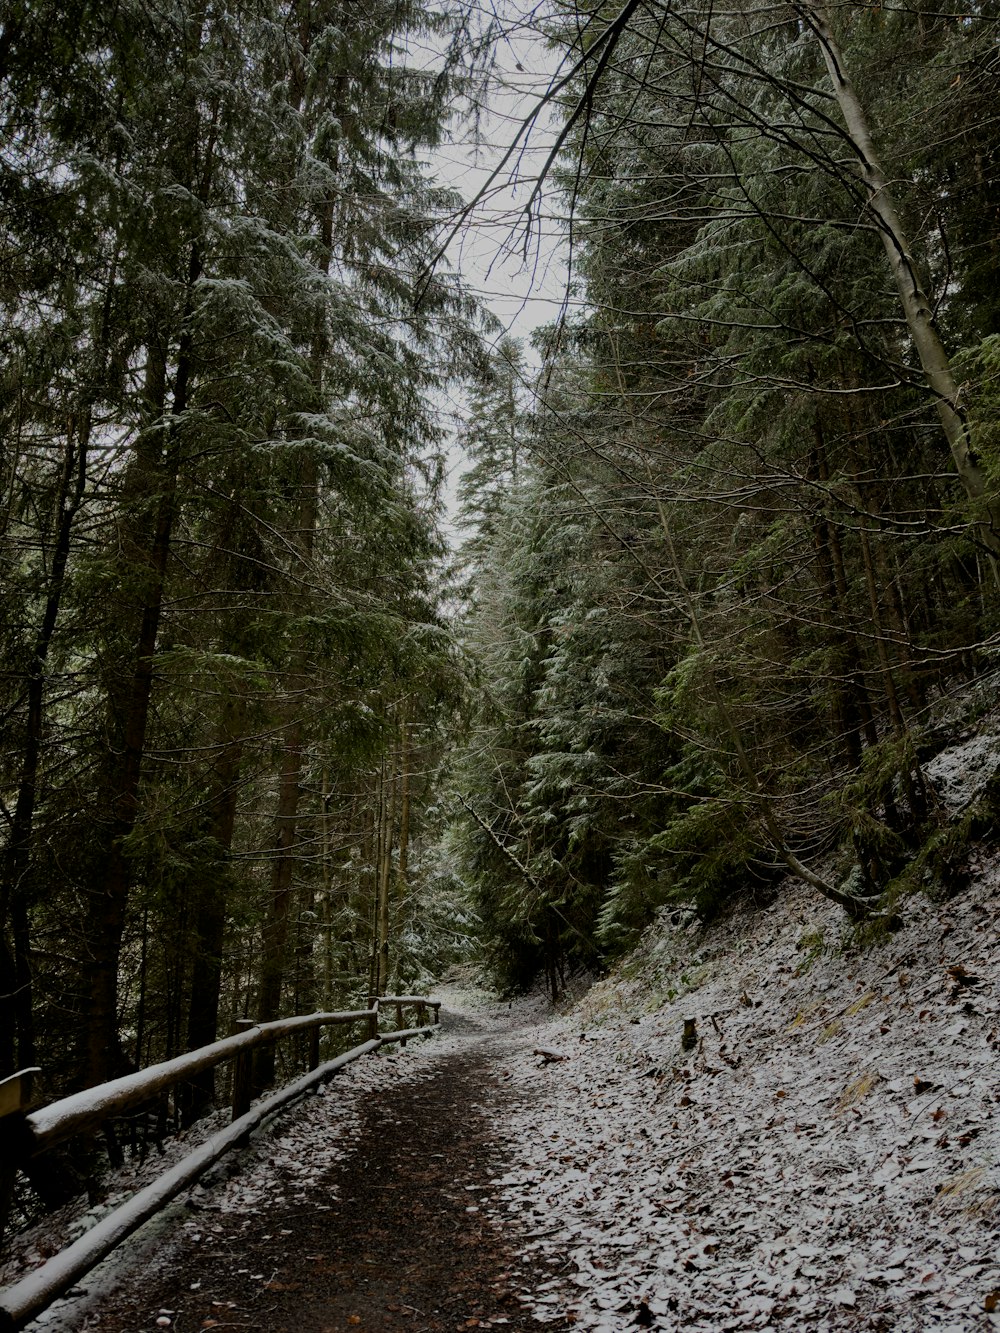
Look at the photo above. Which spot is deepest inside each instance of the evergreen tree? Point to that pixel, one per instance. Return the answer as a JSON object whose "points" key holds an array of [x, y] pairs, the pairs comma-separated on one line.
{"points": [[750, 449], [235, 467]]}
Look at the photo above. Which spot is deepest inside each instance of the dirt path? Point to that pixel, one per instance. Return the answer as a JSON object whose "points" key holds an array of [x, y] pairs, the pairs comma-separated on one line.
{"points": [[394, 1235]]}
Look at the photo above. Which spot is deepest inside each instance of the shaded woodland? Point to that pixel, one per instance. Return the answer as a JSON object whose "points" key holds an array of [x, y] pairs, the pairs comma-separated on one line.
{"points": [[226, 673], [729, 557], [742, 583]]}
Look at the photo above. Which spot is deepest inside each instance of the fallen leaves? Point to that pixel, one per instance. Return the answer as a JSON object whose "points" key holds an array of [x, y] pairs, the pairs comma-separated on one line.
{"points": [[789, 1158]]}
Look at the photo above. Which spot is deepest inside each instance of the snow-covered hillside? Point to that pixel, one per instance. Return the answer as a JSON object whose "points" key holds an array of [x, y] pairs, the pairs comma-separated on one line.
{"points": [[825, 1157]]}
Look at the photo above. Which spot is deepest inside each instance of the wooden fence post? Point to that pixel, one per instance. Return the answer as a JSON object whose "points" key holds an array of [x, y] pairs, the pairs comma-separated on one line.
{"points": [[15, 1098], [373, 1021], [242, 1067], [314, 1048], [15, 1091]]}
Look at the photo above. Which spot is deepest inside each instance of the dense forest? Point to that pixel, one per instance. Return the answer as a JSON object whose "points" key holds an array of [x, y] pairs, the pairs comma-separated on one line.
{"points": [[226, 670], [729, 534], [733, 559]]}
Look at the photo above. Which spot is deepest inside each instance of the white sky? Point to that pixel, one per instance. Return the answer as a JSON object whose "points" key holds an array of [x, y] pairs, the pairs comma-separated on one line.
{"points": [[521, 279], [522, 290]]}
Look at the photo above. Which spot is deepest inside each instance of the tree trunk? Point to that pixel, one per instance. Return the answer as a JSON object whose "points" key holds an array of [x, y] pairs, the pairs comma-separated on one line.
{"points": [[275, 937], [326, 910], [208, 934], [402, 868], [916, 308], [384, 878], [845, 717], [106, 914], [404, 803], [852, 650], [16, 1006]]}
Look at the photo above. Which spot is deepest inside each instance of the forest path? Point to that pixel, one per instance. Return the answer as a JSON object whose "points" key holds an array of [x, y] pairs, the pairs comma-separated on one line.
{"points": [[393, 1232]]}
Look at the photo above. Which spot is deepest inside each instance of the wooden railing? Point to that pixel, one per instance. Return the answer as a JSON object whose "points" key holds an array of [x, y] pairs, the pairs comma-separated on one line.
{"points": [[25, 1133]]}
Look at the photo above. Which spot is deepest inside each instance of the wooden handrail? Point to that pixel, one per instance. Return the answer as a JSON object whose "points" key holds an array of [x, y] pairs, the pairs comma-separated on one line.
{"points": [[26, 1298], [425, 1000], [422, 1002], [404, 1035], [87, 1110]]}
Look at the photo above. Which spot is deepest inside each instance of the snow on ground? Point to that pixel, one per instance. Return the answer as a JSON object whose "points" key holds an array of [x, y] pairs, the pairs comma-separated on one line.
{"points": [[286, 1156], [825, 1158], [961, 773]]}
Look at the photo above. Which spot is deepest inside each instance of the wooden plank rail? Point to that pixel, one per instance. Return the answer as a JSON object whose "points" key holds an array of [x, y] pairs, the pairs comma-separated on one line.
{"points": [[23, 1135], [88, 1110], [421, 1002]]}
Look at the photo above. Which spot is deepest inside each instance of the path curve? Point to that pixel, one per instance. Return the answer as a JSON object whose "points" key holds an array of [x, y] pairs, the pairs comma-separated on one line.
{"points": [[395, 1232]]}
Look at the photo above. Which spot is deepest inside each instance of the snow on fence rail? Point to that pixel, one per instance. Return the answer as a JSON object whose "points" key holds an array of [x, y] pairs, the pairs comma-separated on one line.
{"points": [[23, 1134]]}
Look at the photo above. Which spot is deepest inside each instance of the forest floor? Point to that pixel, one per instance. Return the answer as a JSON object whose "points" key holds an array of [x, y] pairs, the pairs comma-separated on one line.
{"points": [[367, 1207], [826, 1157]]}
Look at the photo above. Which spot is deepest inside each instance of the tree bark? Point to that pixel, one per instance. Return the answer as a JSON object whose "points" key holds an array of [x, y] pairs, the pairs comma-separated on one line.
{"points": [[384, 873], [404, 802], [208, 934], [916, 308], [275, 937], [107, 907], [16, 1008]]}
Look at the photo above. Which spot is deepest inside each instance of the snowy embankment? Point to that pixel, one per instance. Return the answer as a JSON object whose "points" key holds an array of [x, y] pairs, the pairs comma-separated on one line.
{"points": [[825, 1157]]}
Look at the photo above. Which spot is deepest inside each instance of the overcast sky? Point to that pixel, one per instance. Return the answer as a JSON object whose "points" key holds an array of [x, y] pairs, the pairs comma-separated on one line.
{"points": [[523, 289], [521, 280]]}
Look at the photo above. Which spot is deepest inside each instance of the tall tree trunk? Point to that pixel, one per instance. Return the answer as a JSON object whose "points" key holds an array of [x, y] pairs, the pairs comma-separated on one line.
{"points": [[852, 712], [209, 927], [107, 906], [16, 982], [843, 706], [878, 633], [403, 868], [275, 935], [913, 787], [326, 908], [16, 1006], [852, 651], [369, 876], [384, 878], [916, 308], [404, 800]]}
